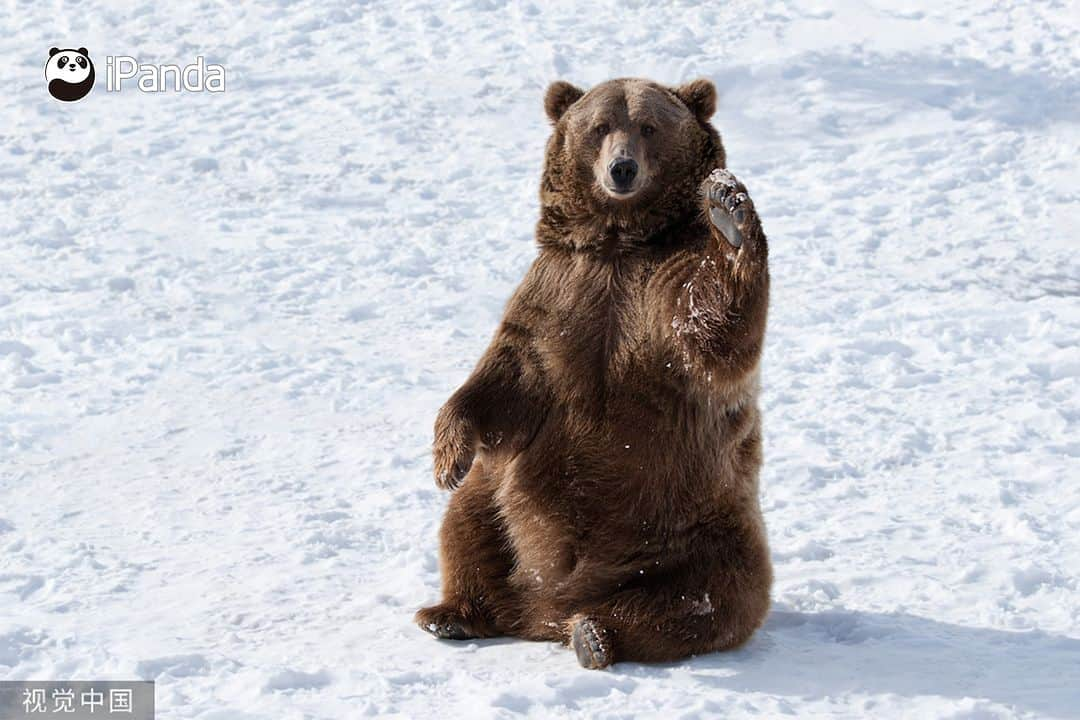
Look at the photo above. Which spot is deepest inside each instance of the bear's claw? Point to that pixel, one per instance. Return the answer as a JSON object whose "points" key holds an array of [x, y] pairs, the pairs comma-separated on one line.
{"points": [[589, 641]]}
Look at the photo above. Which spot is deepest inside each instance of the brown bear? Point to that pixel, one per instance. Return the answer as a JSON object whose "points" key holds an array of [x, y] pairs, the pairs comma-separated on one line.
{"points": [[608, 443]]}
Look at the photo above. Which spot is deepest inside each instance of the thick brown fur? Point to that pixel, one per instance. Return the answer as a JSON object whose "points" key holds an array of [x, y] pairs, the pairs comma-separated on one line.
{"points": [[606, 448]]}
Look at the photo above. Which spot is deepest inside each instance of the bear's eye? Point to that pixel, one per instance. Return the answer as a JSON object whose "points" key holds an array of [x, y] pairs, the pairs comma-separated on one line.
{"points": [[81, 61], [601, 130], [62, 61], [647, 130]]}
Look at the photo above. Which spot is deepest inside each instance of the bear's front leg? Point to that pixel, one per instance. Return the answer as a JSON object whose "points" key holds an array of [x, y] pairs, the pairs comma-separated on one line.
{"points": [[711, 304], [497, 410]]}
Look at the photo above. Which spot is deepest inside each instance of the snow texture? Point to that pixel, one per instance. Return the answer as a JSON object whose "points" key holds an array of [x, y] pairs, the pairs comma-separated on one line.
{"points": [[227, 321]]}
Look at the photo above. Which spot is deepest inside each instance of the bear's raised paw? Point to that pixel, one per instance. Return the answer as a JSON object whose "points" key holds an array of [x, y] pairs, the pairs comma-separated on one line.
{"points": [[730, 209]]}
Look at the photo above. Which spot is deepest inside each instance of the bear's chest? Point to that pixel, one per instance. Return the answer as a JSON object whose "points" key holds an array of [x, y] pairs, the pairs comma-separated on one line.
{"points": [[597, 328]]}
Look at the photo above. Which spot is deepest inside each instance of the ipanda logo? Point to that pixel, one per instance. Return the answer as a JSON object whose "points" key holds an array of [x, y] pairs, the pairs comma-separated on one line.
{"points": [[70, 75]]}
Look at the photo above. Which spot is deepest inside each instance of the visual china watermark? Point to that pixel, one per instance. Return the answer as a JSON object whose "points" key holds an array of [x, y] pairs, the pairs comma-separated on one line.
{"points": [[70, 76], [77, 700]]}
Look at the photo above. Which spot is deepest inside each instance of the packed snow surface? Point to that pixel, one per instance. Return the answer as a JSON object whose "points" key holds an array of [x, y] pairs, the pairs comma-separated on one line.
{"points": [[228, 319]]}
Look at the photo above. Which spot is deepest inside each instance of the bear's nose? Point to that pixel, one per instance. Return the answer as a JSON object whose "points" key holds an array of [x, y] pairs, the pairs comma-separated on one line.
{"points": [[71, 66], [623, 171]]}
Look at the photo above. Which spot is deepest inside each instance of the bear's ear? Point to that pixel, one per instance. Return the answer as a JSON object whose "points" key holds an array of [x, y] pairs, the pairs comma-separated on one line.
{"points": [[700, 96], [84, 51], [559, 97], [53, 51]]}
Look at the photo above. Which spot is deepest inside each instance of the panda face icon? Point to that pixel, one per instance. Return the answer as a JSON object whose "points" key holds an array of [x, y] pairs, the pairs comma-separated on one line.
{"points": [[69, 73]]}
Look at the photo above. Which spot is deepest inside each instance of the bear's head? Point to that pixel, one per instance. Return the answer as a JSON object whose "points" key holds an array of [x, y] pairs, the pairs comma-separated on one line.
{"points": [[629, 152], [70, 74]]}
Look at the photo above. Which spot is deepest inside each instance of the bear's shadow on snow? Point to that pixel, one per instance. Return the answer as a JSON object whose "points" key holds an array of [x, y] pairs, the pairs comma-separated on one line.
{"points": [[817, 655]]}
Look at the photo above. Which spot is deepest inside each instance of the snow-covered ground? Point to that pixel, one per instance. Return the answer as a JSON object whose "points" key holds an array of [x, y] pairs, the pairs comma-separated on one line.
{"points": [[227, 321]]}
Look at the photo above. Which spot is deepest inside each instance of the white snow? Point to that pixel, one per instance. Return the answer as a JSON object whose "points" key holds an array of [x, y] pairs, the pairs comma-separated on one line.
{"points": [[227, 321]]}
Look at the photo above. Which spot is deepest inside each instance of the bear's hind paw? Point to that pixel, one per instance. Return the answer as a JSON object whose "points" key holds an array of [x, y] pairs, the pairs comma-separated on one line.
{"points": [[590, 643], [445, 623]]}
